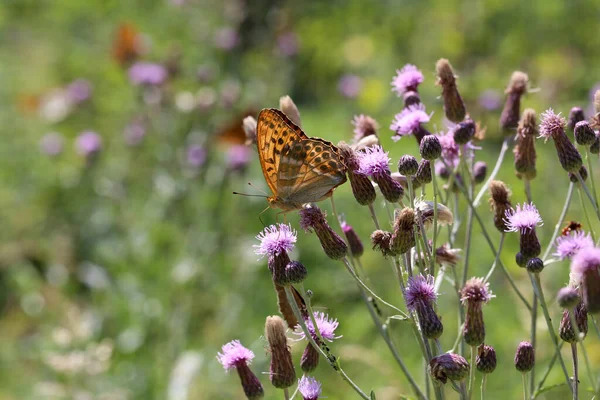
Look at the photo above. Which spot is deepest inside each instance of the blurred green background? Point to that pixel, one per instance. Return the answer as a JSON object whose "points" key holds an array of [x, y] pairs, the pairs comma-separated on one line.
{"points": [[122, 273]]}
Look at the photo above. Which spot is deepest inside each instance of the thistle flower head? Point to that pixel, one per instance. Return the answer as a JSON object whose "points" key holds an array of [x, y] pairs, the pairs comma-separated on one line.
{"points": [[408, 165], [584, 134], [409, 120], [551, 124], [525, 357], [275, 239], [282, 373], [364, 126], [407, 78], [426, 209], [586, 269], [476, 290], [326, 326], [523, 218], [234, 354], [420, 289], [309, 388], [88, 143], [568, 297], [356, 247], [423, 175], [486, 359], [479, 171], [566, 331], [374, 161], [584, 261], [313, 219], [448, 366], [568, 246]]}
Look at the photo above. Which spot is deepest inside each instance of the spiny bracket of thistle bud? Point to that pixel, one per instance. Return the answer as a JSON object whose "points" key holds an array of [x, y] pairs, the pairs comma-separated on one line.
{"points": [[454, 105], [420, 295], [575, 115], [235, 356], [524, 219], [295, 272], [524, 357], [553, 126], [584, 134], [287, 105], [361, 185], [382, 241], [586, 267], [374, 162], [479, 171], [425, 209], [474, 294], [408, 165], [509, 118], [403, 238], [448, 366], [535, 265], [499, 203], [524, 151], [249, 124], [313, 219], [486, 359], [583, 173], [423, 175], [282, 373], [356, 247], [568, 297], [566, 331], [275, 242], [463, 131], [430, 148]]}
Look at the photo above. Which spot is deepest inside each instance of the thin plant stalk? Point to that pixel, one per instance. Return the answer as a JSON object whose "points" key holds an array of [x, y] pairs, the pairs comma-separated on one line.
{"points": [[500, 245], [561, 219], [534, 301], [374, 216], [524, 376], [286, 394], [586, 214], [495, 171], [548, 369], [435, 224], [588, 158], [483, 379], [472, 371], [589, 195], [588, 368], [575, 371]]}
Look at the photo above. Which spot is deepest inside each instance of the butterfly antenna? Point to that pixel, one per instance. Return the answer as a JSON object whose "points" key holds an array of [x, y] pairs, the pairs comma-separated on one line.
{"points": [[257, 188], [250, 195]]}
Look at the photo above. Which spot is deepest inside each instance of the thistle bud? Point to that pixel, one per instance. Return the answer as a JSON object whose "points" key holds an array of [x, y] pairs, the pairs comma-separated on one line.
{"points": [[553, 126], [474, 294], [424, 173], [524, 219], [235, 356], [463, 131], [295, 272], [583, 172], [524, 151], [313, 219], [524, 357], [249, 124], [382, 241], [499, 203], [510, 113], [287, 105], [361, 185], [408, 165], [586, 267], [486, 359], [356, 246], [454, 106], [535, 265], [479, 171], [584, 134], [374, 161], [568, 297], [576, 115], [595, 147], [430, 148], [448, 366], [282, 373], [310, 358], [521, 260], [566, 331], [403, 238], [411, 98]]}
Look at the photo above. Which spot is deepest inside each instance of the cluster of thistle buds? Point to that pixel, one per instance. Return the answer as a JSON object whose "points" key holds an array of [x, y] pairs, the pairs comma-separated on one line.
{"points": [[421, 199]]}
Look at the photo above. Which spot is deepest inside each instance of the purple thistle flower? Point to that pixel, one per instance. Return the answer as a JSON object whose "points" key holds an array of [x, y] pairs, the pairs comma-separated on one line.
{"points": [[309, 388], [373, 161], [275, 239], [234, 354], [585, 261], [134, 133], [350, 85], [88, 143], [586, 267], [364, 126], [226, 38], [79, 90], [196, 156], [522, 219], [238, 157], [145, 73], [551, 124], [420, 289], [409, 120], [52, 144], [476, 290], [325, 325], [568, 246], [407, 78], [490, 100]]}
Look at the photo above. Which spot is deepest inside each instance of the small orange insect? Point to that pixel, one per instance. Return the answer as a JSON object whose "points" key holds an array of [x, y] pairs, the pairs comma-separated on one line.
{"points": [[572, 226], [126, 44]]}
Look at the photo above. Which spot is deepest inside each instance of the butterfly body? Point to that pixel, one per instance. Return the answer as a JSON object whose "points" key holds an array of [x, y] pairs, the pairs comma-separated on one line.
{"points": [[297, 168]]}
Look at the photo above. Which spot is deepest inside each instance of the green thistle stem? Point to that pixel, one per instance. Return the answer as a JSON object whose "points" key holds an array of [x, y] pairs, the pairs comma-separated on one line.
{"points": [[472, 371], [561, 219], [435, 223], [588, 158], [587, 215], [575, 371], [483, 379], [589, 195], [524, 376], [495, 171]]}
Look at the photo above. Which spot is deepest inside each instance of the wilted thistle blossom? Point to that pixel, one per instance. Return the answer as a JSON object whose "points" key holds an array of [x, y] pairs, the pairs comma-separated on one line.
{"points": [[282, 373], [425, 209], [566, 331], [515, 90], [569, 245], [374, 162], [553, 126], [454, 106], [234, 355], [448, 366], [364, 126], [420, 295], [309, 388], [313, 219], [362, 188], [356, 247], [289, 108], [524, 151], [326, 327], [407, 79], [499, 203], [474, 294], [145, 73], [586, 267], [524, 357], [409, 121], [88, 143], [525, 219], [402, 239]]}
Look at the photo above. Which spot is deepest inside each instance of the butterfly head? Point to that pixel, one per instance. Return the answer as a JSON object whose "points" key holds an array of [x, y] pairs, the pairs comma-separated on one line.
{"points": [[278, 202]]}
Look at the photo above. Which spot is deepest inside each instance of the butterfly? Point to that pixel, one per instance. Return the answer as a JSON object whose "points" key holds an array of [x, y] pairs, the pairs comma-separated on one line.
{"points": [[126, 44], [297, 168], [572, 226]]}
